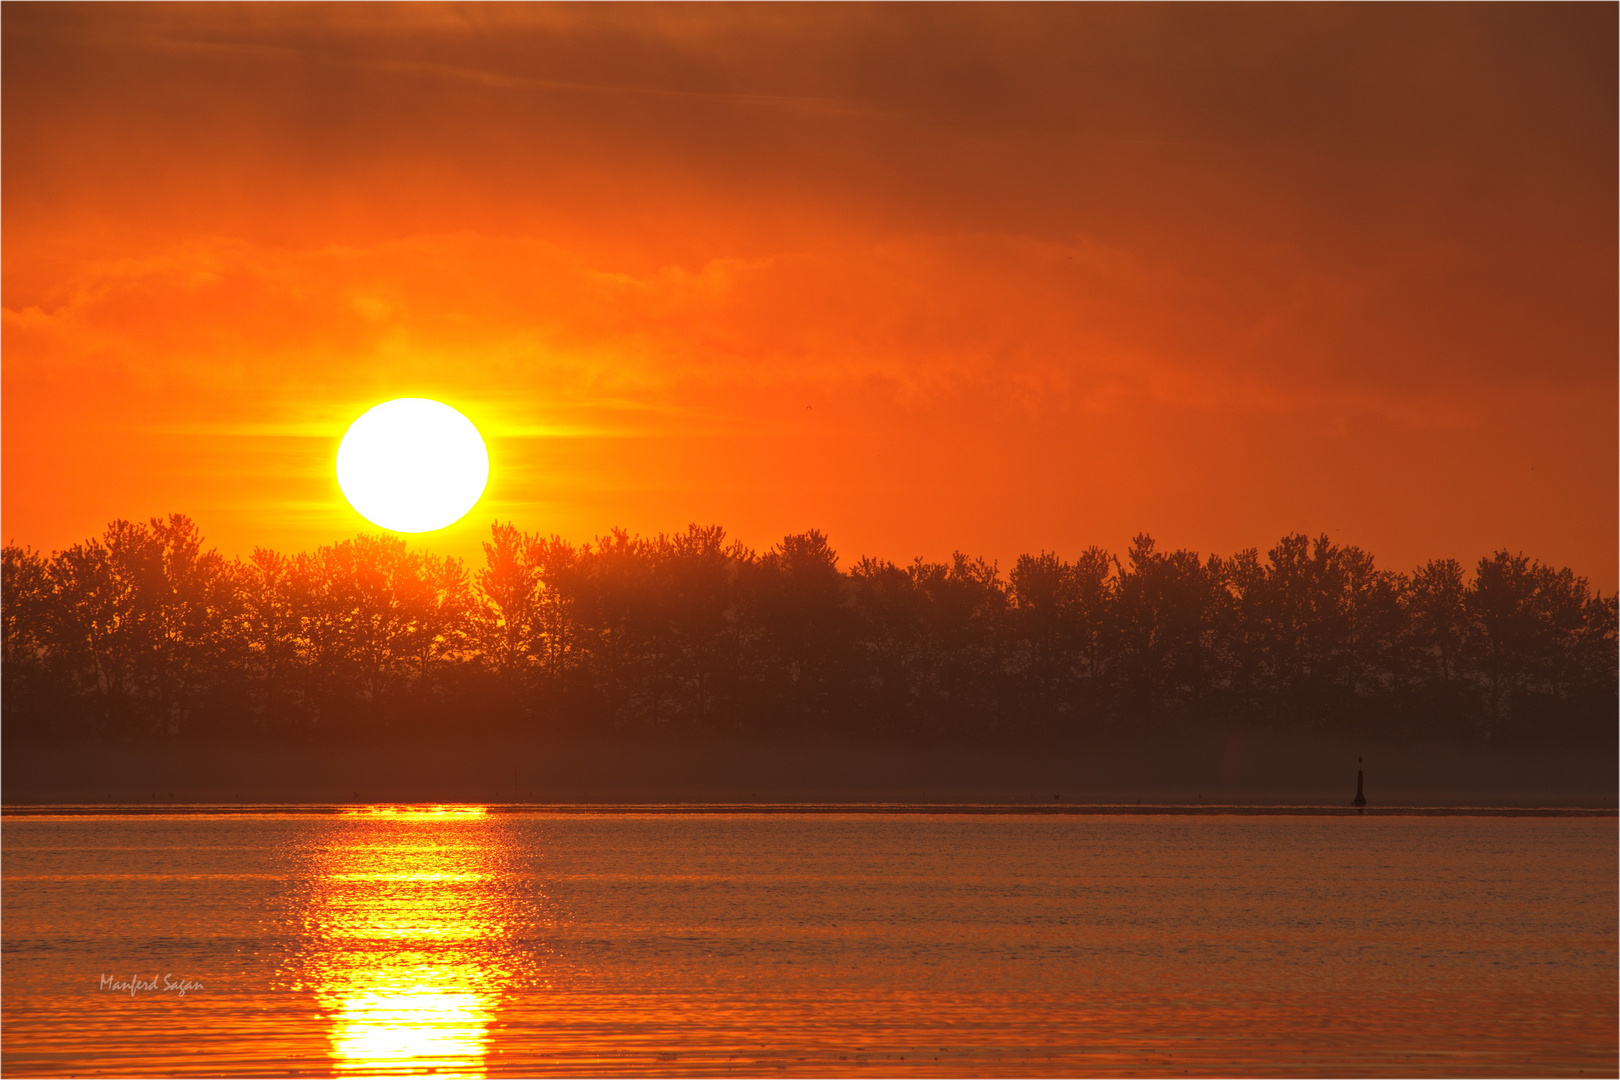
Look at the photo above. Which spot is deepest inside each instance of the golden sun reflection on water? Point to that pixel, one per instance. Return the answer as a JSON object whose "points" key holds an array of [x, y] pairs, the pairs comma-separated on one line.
{"points": [[407, 932], [416, 1030]]}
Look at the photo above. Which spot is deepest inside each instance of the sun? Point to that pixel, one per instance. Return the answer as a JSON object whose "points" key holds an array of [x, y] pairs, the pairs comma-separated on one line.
{"points": [[412, 465]]}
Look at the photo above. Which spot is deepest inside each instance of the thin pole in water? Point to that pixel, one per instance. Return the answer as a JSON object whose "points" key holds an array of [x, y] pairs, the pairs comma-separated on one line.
{"points": [[1360, 802]]}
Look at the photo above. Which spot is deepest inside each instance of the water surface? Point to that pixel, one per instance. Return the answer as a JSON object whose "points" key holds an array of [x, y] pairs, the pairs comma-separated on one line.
{"points": [[454, 942]]}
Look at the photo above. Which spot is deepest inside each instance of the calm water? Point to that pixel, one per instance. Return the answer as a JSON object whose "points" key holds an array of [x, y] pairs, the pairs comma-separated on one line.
{"points": [[456, 943]]}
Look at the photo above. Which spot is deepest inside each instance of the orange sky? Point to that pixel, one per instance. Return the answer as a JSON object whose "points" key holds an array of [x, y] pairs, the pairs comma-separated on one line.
{"points": [[997, 278]]}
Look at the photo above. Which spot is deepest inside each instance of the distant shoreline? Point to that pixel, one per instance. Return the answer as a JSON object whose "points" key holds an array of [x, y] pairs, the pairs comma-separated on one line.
{"points": [[82, 810], [1206, 776]]}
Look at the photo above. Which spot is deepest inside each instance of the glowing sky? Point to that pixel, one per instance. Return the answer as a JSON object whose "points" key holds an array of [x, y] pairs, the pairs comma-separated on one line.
{"points": [[992, 278]]}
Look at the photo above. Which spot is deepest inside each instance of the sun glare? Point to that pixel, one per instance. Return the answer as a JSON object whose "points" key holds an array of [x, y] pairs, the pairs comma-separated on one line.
{"points": [[412, 465]]}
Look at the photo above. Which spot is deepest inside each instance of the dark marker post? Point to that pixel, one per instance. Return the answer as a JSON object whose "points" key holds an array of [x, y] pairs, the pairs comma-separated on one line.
{"points": [[1360, 802]]}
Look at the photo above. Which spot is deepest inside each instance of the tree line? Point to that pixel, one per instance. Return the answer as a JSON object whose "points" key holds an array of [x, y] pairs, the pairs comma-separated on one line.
{"points": [[144, 632]]}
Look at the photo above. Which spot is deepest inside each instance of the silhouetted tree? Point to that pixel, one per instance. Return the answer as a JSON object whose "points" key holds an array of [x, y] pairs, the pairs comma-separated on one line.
{"points": [[803, 629], [1169, 611], [143, 632]]}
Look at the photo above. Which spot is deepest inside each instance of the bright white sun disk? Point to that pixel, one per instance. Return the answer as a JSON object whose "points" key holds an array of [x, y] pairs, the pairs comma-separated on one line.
{"points": [[412, 465]]}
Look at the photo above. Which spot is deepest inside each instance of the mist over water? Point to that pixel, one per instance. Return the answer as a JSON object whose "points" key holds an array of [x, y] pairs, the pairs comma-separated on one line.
{"points": [[470, 944]]}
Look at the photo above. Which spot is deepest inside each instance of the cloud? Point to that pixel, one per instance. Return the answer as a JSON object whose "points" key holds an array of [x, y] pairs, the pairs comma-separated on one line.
{"points": [[1026, 324], [1235, 269]]}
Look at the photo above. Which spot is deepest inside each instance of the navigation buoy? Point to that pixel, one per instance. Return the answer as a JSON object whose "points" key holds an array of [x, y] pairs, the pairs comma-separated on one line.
{"points": [[1361, 796]]}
